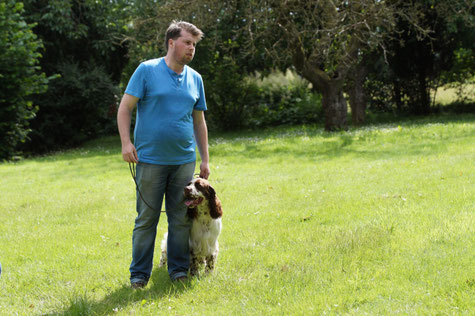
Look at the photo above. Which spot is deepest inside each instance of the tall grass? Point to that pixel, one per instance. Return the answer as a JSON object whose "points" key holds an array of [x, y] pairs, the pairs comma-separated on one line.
{"points": [[378, 220]]}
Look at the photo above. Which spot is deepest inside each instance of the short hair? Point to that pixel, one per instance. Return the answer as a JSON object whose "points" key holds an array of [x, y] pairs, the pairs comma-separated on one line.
{"points": [[175, 28]]}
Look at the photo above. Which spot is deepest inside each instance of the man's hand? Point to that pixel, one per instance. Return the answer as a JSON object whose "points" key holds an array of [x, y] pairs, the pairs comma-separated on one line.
{"points": [[129, 153], [204, 170], [201, 136]]}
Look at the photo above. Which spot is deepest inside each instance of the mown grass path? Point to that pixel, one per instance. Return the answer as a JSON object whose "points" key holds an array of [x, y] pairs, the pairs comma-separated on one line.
{"points": [[377, 220]]}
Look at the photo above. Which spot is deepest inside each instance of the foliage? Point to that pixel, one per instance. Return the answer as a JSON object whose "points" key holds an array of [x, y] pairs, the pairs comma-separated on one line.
{"points": [[80, 105], [260, 100], [82, 43], [229, 99], [323, 40], [85, 31], [20, 77], [322, 34], [419, 62], [283, 99]]}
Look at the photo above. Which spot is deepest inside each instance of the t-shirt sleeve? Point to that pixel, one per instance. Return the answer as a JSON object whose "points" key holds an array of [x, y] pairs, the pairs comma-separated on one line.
{"points": [[201, 103], [136, 85]]}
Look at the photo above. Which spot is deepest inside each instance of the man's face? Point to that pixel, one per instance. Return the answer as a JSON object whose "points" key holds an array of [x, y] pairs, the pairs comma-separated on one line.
{"points": [[183, 48]]}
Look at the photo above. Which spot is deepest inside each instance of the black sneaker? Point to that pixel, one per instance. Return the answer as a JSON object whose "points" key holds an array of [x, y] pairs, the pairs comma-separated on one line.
{"points": [[138, 284], [181, 279]]}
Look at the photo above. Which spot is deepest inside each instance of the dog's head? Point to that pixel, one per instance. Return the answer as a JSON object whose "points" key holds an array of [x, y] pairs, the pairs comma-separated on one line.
{"points": [[198, 190]]}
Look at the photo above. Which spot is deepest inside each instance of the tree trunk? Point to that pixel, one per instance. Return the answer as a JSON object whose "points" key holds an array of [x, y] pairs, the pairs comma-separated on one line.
{"points": [[397, 95], [334, 104], [357, 95], [423, 102], [335, 108]]}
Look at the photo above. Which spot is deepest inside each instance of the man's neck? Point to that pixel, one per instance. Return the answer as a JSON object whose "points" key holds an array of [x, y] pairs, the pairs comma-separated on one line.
{"points": [[176, 67]]}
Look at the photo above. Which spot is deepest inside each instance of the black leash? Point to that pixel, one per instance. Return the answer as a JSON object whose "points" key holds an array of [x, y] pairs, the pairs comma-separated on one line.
{"points": [[134, 176]]}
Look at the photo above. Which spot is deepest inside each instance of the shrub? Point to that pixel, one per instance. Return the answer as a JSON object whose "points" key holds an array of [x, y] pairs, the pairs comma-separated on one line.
{"points": [[283, 99], [237, 102], [226, 94], [19, 77], [79, 105]]}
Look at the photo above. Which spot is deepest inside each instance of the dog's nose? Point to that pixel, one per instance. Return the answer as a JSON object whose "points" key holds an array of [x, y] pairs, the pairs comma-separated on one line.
{"points": [[187, 190]]}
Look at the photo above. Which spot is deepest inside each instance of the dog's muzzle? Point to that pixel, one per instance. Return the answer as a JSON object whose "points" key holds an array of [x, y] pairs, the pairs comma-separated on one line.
{"points": [[193, 202]]}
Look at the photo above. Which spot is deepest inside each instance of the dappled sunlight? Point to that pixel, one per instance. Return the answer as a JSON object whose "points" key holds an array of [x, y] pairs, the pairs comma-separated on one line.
{"points": [[374, 142]]}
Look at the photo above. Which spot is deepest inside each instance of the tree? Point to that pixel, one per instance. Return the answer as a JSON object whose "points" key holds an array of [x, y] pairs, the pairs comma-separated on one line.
{"points": [[323, 40], [83, 49], [434, 48], [82, 31], [356, 92], [20, 77]]}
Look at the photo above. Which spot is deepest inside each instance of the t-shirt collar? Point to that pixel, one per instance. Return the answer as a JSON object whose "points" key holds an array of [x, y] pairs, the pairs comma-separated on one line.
{"points": [[172, 72]]}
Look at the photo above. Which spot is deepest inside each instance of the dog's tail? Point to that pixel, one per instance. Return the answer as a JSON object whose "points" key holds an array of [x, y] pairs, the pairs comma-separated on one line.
{"points": [[163, 257]]}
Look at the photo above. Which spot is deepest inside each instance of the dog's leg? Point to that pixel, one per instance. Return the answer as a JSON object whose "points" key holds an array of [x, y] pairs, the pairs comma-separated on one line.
{"points": [[210, 262], [195, 265], [163, 257]]}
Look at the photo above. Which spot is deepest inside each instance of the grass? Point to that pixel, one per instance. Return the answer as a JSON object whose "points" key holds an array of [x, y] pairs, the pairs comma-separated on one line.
{"points": [[378, 220], [447, 95]]}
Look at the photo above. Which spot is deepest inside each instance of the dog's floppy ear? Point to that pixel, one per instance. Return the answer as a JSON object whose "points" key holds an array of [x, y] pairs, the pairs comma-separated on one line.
{"points": [[215, 209], [211, 192]]}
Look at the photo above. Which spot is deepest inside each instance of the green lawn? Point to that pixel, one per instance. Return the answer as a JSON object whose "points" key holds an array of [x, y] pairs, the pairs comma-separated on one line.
{"points": [[447, 95], [378, 220]]}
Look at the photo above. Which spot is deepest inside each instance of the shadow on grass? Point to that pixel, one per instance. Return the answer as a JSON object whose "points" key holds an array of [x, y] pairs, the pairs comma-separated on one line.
{"points": [[322, 145], [337, 143], [328, 146], [159, 286]]}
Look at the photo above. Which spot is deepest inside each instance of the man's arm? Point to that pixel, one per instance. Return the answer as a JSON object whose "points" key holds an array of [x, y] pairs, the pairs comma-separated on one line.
{"points": [[124, 118], [201, 135]]}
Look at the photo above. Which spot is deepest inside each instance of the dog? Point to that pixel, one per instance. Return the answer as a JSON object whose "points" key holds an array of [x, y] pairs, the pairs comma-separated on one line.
{"points": [[205, 212]]}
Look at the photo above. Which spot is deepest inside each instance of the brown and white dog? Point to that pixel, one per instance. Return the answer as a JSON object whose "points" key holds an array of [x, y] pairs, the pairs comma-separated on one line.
{"points": [[205, 211]]}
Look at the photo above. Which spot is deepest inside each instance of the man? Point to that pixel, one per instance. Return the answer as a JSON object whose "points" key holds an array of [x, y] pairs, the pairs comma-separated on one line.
{"points": [[170, 121]]}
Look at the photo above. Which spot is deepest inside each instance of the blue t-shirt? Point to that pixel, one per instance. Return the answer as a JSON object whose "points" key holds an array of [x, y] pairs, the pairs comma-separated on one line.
{"points": [[164, 126]]}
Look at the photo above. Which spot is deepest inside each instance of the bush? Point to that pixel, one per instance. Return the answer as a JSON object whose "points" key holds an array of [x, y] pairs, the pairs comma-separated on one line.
{"points": [[226, 94], [286, 99], [237, 102], [19, 78], [78, 106], [283, 99]]}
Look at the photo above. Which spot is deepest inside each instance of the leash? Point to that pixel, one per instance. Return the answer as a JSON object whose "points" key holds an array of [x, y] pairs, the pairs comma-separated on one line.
{"points": [[133, 172]]}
